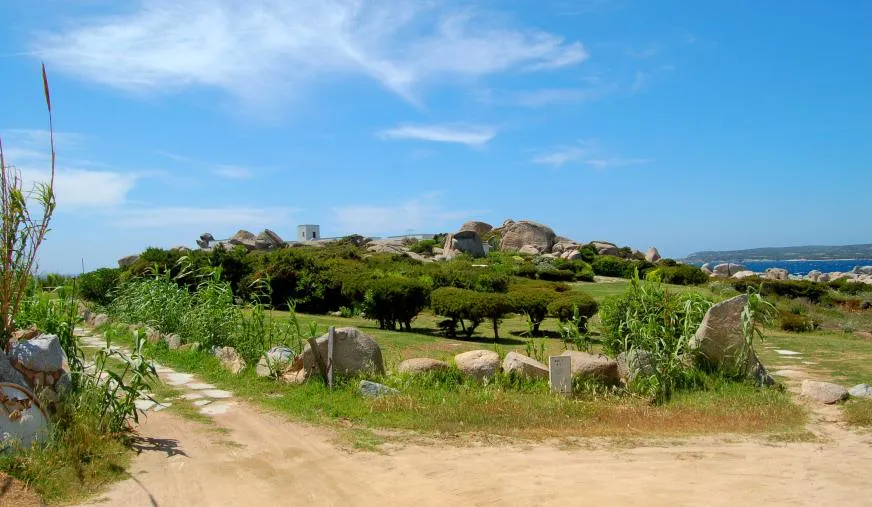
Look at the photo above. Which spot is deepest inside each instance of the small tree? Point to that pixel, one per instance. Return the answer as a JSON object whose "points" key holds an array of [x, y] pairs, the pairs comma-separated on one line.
{"points": [[575, 304], [395, 300], [22, 230], [533, 302], [495, 306]]}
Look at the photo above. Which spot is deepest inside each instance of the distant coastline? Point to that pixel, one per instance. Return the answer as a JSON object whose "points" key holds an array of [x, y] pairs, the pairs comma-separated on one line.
{"points": [[861, 253]]}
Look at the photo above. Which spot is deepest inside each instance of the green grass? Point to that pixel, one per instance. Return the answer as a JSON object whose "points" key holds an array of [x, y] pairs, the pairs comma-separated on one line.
{"points": [[859, 412], [840, 358], [448, 407]]}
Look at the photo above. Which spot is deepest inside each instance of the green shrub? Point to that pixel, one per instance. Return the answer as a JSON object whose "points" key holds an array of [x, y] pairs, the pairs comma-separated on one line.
{"points": [[565, 306], [395, 300], [470, 308], [533, 302], [99, 285], [648, 317], [555, 275], [424, 246], [680, 274], [795, 323], [791, 289], [608, 265], [850, 287]]}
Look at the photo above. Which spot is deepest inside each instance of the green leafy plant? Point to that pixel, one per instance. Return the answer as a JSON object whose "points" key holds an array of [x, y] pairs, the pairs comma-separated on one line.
{"points": [[23, 229]]}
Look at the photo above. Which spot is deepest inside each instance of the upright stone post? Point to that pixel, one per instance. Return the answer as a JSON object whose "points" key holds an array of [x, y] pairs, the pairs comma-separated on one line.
{"points": [[560, 374]]}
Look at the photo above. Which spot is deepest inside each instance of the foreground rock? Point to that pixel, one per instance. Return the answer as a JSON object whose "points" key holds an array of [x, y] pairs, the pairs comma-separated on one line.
{"points": [[824, 392], [8, 373], [375, 390], [478, 364], [41, 354], [519, 234], [421, 365], [719, 343], [593, 366], [635, 363], [776, 274], [524, 366], [274, 361], [230, 359], [861, 391], [605, 248], [354, 352]]}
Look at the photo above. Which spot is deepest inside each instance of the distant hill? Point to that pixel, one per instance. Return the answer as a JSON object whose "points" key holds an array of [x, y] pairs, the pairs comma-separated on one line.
{"points": [[785, 253]]}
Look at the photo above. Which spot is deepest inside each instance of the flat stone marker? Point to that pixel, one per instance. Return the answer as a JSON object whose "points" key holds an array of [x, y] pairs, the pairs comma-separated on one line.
{"points": [[560, 374], [177, 379], [787, 352]]}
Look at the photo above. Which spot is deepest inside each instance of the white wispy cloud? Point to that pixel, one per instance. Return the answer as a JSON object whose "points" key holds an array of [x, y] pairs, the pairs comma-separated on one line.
{"points": [[262, 48], [560, 96], [460, 134], [205, 217], [74, 186], [229, 171], [421, 214], [587, 152]]}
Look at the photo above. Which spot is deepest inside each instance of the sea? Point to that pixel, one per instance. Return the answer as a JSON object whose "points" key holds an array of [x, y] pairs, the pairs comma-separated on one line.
{"points": [[802, 267]]}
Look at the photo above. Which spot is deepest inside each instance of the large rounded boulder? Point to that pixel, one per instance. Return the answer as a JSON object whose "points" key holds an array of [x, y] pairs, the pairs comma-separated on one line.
{"points": [[467, 241], [420, 365], [354, 353], [478, 364], [593, 366], [520, 234], [523, 366], [479, 227]]}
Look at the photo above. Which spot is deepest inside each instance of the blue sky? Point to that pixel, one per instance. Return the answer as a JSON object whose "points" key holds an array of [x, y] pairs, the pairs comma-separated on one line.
{"points": [[684, 125]]}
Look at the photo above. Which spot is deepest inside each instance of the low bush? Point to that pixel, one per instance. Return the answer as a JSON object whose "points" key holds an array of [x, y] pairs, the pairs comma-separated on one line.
{"points": [[555, 275], [850, 287], [99, 286], [572, 304], [680, 274], [425, 246], [791, 289], [533, 302], [395, 300], [608, 265], [470, 308], [795, 323]]}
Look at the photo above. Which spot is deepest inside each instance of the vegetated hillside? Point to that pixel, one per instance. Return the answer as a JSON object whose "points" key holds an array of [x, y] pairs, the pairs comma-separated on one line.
{"points": [[785, 253]]}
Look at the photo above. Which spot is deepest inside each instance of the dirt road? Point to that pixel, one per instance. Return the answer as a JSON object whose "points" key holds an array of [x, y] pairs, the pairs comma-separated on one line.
{"points": [[249, 457], [263, 460]]}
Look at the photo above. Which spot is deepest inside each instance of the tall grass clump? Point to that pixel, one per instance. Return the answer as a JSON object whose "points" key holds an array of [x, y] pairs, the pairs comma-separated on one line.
{"points": [[650, 318]]}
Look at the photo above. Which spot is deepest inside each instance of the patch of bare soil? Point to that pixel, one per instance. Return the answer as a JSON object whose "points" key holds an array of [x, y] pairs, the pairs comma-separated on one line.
{"points": [[14, 493], [264, 460]]}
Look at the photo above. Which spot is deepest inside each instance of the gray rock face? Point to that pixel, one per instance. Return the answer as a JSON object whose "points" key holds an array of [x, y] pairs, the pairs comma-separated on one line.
{"points": [[720, 342], [230, 359], [421, 365], [465, 241], [824, 392], [375, 390], [8, 373], [391, 246], [776, 274], [244, 238], [174, 341], [524, 366], [267, 240], [706, 268], [478, 364], [743, 274], [652, 255], [518, 234], [728, 269], [354, 352], [43, 353], [127, 261], [571, 255], [861, 391], [275, 360], [99, 319], [564, 245], [605, 248], [478, 227], [635, 363], [529, 250], [593, 366], [862, 270]]}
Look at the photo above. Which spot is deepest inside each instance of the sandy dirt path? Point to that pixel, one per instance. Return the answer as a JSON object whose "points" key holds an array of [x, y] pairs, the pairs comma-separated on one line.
{"points": [[261, 459]]}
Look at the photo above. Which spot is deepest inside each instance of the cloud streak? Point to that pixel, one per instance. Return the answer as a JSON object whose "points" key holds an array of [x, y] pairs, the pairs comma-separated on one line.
{"points": [[268, 47], [421, 214], [587, 153], [468, 135]]}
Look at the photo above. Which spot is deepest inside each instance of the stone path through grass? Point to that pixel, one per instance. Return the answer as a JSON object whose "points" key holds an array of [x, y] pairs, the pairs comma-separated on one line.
{"points": [[206, 397]]}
